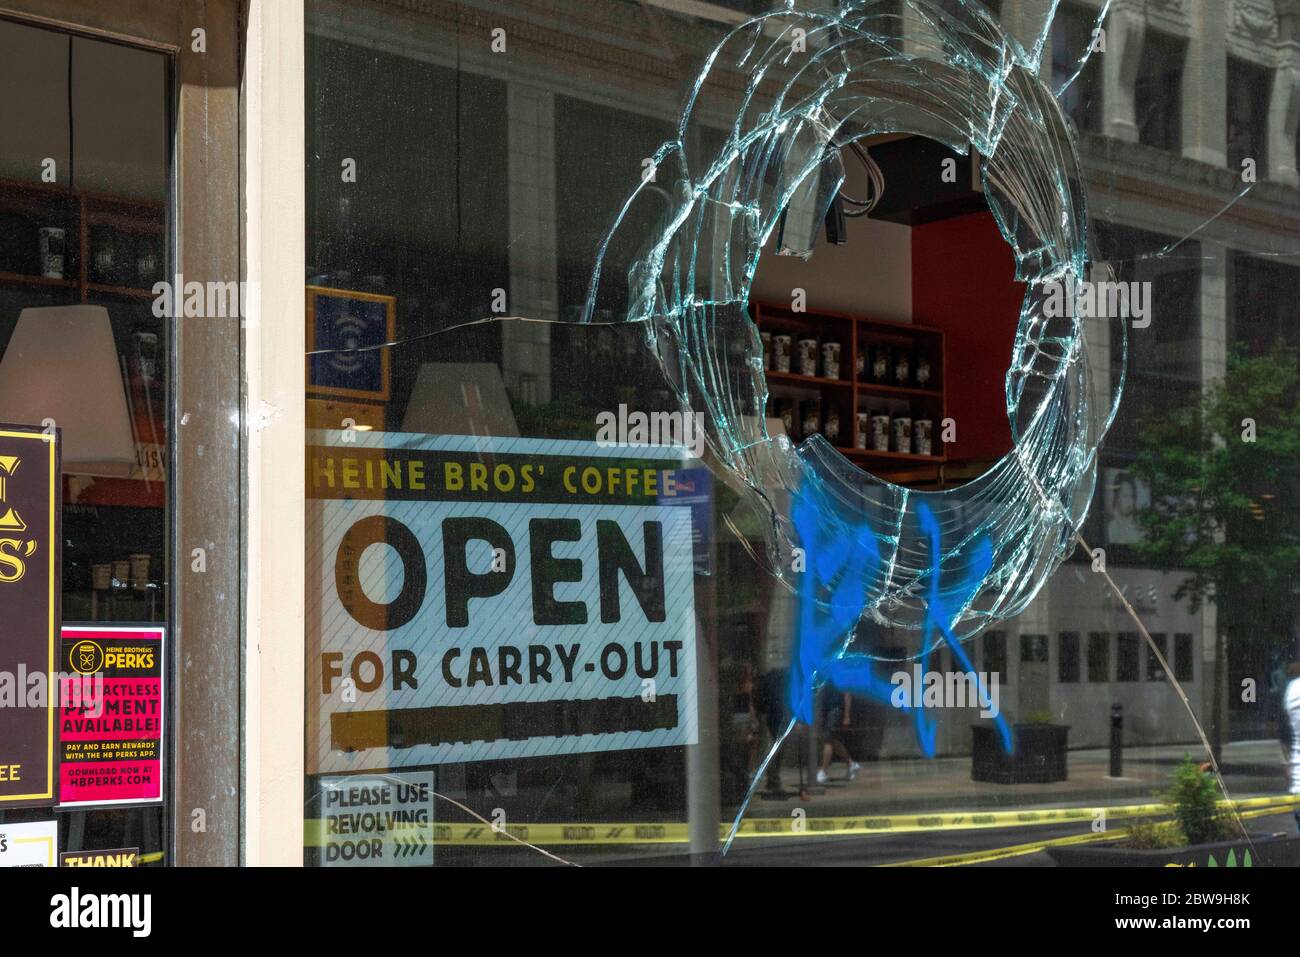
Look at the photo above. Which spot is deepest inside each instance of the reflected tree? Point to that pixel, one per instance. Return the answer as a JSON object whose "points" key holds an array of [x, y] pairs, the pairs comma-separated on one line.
{"points": [[1224, 477]]}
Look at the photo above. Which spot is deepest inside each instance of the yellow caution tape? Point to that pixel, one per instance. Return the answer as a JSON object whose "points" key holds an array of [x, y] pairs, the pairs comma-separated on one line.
{"points": [[1018, 850], [1001, 853], [677, 833], [673, 832]]}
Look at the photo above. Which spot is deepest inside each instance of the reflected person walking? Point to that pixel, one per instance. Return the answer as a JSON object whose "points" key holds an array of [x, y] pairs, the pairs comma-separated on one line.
{"points": [[1291, 704]]}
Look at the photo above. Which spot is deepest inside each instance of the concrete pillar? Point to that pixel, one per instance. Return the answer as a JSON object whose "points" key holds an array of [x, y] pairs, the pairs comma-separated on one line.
{"points": [[1024, 20], [1205, 84], [533, 292], [1214, 360], [1283, 112], [918, 35], [1214, 311], [1097, 329], [1124, 32]]}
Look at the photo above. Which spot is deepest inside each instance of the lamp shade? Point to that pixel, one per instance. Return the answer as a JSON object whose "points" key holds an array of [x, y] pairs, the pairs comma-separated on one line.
{"points": [[62, 364], [459, 398]]}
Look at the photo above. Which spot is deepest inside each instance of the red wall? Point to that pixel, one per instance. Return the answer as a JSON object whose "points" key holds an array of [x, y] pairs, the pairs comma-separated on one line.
{"points": [[963, 283]]}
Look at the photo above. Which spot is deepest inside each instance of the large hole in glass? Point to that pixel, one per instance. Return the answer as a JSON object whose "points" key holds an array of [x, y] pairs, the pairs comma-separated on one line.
{"points": [[893, 338]]}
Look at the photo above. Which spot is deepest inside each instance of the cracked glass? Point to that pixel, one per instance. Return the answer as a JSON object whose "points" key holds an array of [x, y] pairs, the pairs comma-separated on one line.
{"points": [[702, 401]]}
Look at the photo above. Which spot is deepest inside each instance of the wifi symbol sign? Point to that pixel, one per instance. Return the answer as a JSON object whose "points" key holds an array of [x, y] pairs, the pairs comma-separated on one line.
{"points": [[349, 330]]}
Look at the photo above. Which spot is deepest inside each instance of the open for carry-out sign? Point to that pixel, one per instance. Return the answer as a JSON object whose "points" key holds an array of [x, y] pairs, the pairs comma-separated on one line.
{"points": [[474, 599]]}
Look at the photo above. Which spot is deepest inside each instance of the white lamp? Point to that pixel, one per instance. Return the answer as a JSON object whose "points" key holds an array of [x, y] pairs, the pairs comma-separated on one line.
{"points": [[61, 363], [460, 398]]}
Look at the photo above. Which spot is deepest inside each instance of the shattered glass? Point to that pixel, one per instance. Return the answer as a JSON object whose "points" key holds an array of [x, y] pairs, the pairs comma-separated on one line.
{"points": [[946, 563], [754, 162]]}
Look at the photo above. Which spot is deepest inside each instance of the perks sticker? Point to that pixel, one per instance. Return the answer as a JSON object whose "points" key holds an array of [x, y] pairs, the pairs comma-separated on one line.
{"points": [[111, 715]]}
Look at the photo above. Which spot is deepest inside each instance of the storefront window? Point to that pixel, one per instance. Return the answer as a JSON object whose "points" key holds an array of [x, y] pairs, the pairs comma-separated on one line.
{"points": [[85, 213], [554, 408]]}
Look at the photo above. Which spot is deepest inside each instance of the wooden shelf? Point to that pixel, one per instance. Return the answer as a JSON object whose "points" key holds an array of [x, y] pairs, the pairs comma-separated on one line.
{"points": [[129, 291], [807, 381], [26, 279], [25, 188], [24, 191], [900, 391], [883, 328], [76, 212], [128, 221], [856, 334], [894, 456]]}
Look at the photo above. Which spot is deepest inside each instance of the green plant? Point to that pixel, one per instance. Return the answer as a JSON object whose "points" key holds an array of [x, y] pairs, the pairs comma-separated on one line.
{"points": [[1148, 835], [1194, 796], [1039, 717], [1198, 817]]}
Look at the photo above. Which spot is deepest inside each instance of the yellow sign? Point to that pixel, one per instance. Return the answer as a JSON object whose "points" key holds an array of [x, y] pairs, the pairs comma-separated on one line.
{"points": [[30, 490], [117, 857]]}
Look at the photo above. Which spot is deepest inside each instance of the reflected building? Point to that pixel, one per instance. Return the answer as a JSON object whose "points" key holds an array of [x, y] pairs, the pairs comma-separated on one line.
{"points": [[490, 180], [1181, 106], [474, 594]]}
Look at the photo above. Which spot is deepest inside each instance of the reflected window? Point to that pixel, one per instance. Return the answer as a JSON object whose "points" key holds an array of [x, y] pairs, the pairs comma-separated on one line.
{"points": [[995, 652], [1154, 671], [1164, 358], [1033, 649], [1098, 656], [1126, 656], [1263, 304], [1072, 36], [1249, 91], [1067, 661], [1157, 95], [1184, 669]]}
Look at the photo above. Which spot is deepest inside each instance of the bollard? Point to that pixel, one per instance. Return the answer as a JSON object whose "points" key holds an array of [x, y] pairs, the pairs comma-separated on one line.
{"points": [[1117, 740]]}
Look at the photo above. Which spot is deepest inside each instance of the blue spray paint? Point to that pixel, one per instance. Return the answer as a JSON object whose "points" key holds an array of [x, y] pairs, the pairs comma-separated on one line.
{"points": [[832, 600], [840, 560]]}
